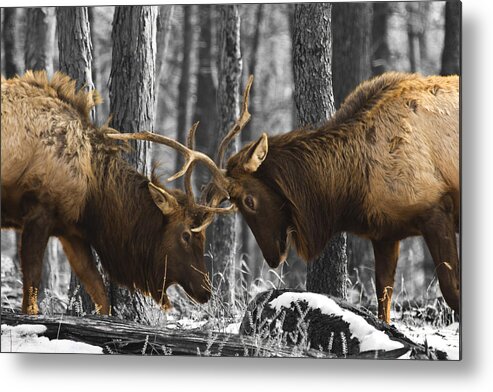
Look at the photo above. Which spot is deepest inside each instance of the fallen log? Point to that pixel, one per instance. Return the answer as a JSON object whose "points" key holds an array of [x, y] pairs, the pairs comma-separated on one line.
{"points": [[117, 336], [317, 321]]}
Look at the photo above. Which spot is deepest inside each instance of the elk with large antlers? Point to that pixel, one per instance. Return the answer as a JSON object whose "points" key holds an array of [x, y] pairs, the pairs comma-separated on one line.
{"points": [[385, 167], [63, 176]]}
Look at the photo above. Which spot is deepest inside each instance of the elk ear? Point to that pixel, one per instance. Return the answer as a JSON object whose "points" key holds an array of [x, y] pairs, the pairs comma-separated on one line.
{"points": [[165, 201], [256, 154]]}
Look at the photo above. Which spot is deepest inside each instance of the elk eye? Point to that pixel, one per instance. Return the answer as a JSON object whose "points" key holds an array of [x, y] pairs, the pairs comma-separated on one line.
{"points": [[249, 202], [186, 236]]}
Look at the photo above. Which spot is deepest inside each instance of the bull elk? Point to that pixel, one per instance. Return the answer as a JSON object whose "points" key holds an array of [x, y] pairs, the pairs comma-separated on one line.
{"points": [[63, 176], [384, 167]]}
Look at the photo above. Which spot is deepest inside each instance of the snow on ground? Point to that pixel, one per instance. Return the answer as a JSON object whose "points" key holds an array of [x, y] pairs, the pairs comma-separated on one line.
{"points": [[369, 337], [444, 339], [24, 338]]}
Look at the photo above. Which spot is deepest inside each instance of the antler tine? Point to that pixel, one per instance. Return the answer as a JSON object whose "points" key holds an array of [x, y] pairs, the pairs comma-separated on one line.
{"points": [[188, 173], [211, 213], [190, 155], [238, 125]]}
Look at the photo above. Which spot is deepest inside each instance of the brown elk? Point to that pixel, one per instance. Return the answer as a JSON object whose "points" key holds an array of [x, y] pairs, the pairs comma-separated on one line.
{"points": [[384, 167], [63, 176]]}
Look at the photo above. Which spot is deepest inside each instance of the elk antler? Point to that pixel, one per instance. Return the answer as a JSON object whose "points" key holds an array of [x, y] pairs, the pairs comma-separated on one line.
{"points": [[211, 210], [190, 155], [191, 158], [212, 191], [238, 125]]}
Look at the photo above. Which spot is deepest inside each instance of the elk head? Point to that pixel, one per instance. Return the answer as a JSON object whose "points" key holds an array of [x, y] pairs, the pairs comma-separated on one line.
{"points": [[264, 209], [185, 220]]}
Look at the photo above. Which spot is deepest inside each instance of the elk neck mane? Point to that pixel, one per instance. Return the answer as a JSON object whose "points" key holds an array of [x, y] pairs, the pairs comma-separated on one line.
{"points": [[303, 167], [122, 221], [63, 88]]}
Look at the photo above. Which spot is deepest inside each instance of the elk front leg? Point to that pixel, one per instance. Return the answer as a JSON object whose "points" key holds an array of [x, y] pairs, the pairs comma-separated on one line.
{"points": [[438, 229], [79, 255], [386, 256], [35, 234]]}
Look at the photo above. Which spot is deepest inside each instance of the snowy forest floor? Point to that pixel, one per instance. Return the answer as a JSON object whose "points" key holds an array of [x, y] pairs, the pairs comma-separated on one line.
{"points": [[431, 325]]}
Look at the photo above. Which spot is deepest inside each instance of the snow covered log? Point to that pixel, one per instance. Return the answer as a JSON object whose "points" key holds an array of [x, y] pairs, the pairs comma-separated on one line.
{"points": [[116, 336], [320, 322]]}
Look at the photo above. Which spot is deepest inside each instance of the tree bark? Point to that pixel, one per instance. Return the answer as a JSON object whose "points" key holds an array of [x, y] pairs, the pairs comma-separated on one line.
{"points": [[163, 25], [75, 60], [380, 45], [246, 134], [74, 45], [228, 102], [12, 68], [38, 55], [414, 31], [312, 54], [206, 105], [351, 33], [10, 41], [351, 64], [132, 103], [451, 47], [126, 337], [39, 43], [184, 106]]}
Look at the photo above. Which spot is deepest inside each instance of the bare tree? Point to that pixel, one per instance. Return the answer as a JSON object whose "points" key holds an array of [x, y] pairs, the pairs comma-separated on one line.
{"points": [[12, 68], [351, 64], [312, 54], [228, 102], [132, 97], [75, 59], [351, 34], [206, 105], [246, 134], [38, 55], [40, 37], [74, 45], [451, 47], [163, 25], [380, 46], [415, 31], [184, 96], [9, 41]]}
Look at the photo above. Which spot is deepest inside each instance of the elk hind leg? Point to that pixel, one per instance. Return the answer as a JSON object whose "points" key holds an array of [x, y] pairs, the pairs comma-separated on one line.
{"points": [[386, 256], [438, 229], [80, 257]]}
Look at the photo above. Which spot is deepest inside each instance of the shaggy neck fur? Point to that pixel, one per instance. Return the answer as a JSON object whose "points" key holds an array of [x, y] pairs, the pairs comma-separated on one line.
{"points": [[122, 221], [319, 202]]}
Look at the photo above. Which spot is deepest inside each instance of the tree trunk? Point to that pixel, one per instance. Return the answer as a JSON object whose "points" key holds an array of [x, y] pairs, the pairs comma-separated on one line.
{"points": [[184, 106], [75, 60], [95, 72], [246, 134], [132, 103], [351, 33], [206, 105], [228, 101], [414, 30], [74, 45], [312, 53], [451, 47], [351, 65], [38, 55], [11, 69], [380, 45], [10, 20], [163, 25], [39, 44]]}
